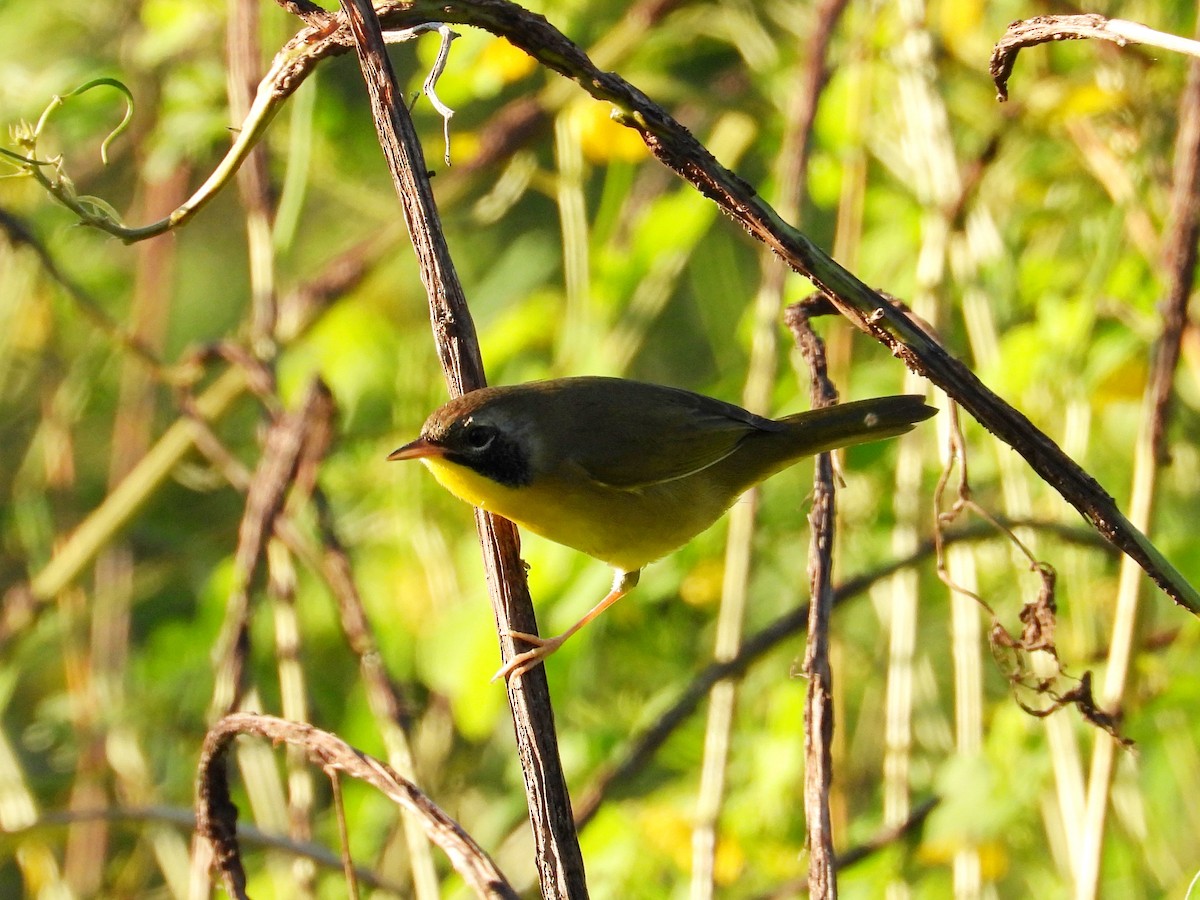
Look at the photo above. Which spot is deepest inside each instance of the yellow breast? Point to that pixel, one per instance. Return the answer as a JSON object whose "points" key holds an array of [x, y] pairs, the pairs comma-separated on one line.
{"points": [[625, 528]]}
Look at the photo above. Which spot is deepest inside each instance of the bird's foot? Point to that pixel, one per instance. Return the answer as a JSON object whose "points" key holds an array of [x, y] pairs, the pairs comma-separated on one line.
{"points": [[523, 662]]}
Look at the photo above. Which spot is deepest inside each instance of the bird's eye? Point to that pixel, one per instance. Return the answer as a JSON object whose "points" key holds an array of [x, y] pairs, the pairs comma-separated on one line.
{"points": [[479, 436]]}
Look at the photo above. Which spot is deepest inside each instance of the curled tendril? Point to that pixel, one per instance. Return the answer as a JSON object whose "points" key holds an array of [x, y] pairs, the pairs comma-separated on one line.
{"points": [[83, 89], [274, 89], [91, 210], [429, 88], [26, 136]]}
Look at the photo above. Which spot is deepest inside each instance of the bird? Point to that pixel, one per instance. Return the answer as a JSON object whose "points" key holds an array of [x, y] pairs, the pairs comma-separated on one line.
{"points": [[624, 471]]}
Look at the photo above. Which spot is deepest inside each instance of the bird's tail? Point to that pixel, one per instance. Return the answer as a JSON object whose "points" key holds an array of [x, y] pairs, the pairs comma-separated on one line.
{"points": [[846, 424]]}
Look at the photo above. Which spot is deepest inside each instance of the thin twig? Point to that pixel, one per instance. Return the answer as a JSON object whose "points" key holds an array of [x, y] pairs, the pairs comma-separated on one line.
{"points": [[818, 707], [818, 704]]}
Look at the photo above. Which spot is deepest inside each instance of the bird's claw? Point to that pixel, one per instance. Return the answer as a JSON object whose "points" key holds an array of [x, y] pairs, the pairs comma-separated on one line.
{"points": [[523, 662]]}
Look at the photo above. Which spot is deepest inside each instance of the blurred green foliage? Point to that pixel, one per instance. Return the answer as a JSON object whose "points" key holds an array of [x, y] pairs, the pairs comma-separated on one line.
{"points": [[104, 690]]}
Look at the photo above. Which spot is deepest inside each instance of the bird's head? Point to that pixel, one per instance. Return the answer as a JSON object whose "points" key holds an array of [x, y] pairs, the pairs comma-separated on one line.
{"points": [[482, 432]]}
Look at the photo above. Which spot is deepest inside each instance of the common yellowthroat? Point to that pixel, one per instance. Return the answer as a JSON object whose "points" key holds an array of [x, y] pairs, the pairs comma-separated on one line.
{"points": [[623, 470]]}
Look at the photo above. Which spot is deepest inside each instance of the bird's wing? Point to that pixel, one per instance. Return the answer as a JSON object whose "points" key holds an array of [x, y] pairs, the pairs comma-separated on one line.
{"points": [[679, 434]]}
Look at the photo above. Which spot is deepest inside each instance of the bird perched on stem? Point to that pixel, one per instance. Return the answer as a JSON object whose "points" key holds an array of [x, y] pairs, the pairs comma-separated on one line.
{"points": [[623, 470]]}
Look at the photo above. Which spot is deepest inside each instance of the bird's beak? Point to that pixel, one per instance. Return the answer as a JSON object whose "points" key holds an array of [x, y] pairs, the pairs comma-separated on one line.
{"points": [[418, 449]]}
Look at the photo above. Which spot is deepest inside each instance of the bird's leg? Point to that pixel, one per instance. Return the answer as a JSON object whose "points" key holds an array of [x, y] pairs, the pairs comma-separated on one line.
{"points": [[623, 583]]}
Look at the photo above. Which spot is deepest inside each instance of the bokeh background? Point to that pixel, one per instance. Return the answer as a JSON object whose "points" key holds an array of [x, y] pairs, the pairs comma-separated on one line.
{"points": [[1028, 233]]}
